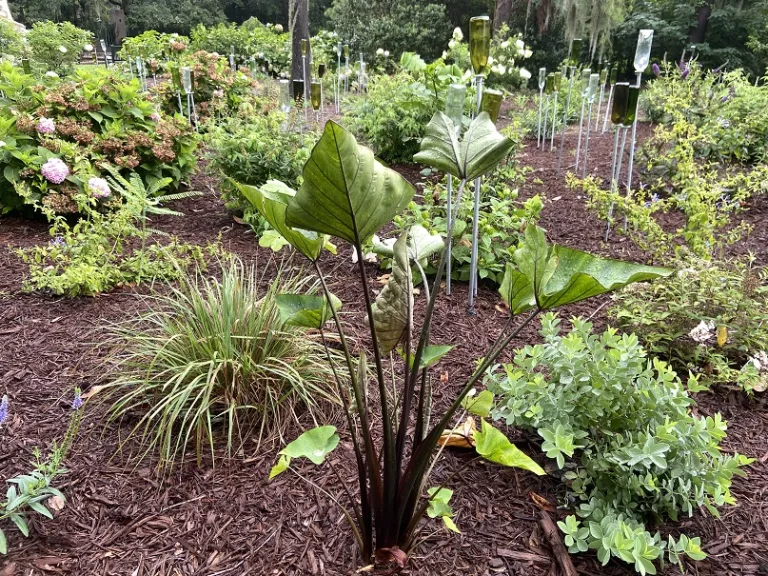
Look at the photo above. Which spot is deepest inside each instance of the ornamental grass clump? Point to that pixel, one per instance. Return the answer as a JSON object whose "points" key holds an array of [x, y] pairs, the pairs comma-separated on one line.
{"points": [[215, 361]]}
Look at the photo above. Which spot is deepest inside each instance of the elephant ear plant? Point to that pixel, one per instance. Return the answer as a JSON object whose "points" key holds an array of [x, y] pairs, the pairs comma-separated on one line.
{"points": [[347, 194]]}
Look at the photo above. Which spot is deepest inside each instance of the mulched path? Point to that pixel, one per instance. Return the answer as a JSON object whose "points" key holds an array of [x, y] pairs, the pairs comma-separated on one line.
{"points": [[228, 520]]}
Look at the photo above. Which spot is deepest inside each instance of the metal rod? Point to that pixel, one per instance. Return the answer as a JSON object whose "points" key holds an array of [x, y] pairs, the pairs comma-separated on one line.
{"points": [[618, 175], [475, 219], [586, 143], [608, 109], [448, 239], [565, 119], [581, 129], [613, 179], [554, 119], [599, 106], [541, 105], [632, 150], [546, 117]]}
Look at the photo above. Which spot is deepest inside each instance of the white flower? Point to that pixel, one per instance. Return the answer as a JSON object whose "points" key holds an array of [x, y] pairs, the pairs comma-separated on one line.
{"points": [[467, 75], [445, 55], [520, 44], [760, 361], [279, 28], [505, 44], [2, 144], [502, 69], [63, 49], [452, 44], [458, 35], [490, 60], [386, 53], [702, 332], [524, 74], [88, 47], [380, 52], [501, 58], [51, 74], [527, 53]]}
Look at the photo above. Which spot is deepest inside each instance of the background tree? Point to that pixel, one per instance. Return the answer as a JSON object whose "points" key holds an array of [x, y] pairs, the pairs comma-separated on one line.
{"points": [[298, 11]]}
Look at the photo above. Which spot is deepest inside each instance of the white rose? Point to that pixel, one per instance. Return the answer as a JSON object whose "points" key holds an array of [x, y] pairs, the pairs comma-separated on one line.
{"points": [[524, 74]]}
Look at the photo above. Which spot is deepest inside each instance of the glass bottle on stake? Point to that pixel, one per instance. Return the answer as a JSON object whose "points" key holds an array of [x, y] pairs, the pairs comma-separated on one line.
{"points": [[304, 71], [618, 118], [642, 58], [188, 82], [592, 88], [479, 52], [337, 84], [454, 109], [321, 69], [315, 97], [491, 103], [574, 56]]}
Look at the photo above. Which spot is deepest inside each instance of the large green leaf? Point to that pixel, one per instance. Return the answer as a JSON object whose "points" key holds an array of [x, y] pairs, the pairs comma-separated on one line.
{"points": [[421, 244], [314, 444], [481, 149], [550, 276], [495, 447], [305, 310], [271, 200], [393, 307], [346, 192]]}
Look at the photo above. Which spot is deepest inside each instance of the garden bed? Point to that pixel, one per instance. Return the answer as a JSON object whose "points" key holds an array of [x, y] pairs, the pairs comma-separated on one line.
{"points": [[230, 519]]}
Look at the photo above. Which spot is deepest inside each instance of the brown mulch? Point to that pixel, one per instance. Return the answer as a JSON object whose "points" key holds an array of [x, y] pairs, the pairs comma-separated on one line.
{"points": [[122, 519]]}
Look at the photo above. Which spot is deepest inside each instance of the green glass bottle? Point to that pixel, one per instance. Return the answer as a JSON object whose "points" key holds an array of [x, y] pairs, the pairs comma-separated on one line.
{"points": [[176, 78], [304, 46], [632, 100], [26, 66], [480, 43], [603, 76], [550, 85], [576, 45], [620, 102], [314, 94], [491, 103], [298, 91], [558, 81], [346, 50], [321, 70], [614, 74]]}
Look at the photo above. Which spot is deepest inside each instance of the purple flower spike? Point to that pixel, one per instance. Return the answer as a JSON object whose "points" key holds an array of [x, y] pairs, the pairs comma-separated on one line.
{"points": [[656, 70], [77, 402], [685, 73], [3, 409]]}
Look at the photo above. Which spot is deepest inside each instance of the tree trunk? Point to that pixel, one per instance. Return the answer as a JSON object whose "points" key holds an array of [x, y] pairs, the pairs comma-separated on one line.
{"points": [[698, 33], [299, 22], [501, 14]]}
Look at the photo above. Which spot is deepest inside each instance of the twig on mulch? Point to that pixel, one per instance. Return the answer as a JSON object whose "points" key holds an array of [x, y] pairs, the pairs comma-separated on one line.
{"points": [[558, 548]]}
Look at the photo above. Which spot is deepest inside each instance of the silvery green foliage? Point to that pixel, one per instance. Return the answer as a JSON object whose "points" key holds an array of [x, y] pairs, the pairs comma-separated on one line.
{"points": [[620, 427]]}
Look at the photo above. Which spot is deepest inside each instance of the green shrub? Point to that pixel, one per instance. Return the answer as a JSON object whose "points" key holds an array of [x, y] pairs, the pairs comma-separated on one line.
{"points": [[710, 318], [621, 428], [729, 112], [153, 47], [218, 90], [99, 251], [214, 356], [57, 46], [393, 116], [11, 40], [94, 119], [254, 150]]}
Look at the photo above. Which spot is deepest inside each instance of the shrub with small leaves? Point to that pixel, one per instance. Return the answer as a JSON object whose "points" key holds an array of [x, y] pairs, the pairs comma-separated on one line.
{"points": [[620, 428]]}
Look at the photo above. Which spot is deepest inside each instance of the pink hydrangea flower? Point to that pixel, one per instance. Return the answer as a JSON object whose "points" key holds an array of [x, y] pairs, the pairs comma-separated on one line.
{"points": [[155, 117], [46, 126], [55, 171], [99, 188], [218, 93]]}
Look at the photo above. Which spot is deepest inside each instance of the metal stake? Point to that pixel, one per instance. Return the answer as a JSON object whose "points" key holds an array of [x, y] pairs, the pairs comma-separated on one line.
{"points": [[554, 119], [541, 103], [581, 129], [632, 150], [565, 120], [586, 143], [608, 109], [617, 174], [475, 218], [599, 106], [449, 239]]}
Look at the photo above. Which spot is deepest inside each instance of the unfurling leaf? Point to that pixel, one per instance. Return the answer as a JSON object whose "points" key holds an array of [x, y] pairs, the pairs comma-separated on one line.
{"points": [[304, 310], [495, 447], [479, 405], [551, 276], [480, 150], [346, 192], [421, 244], [393, 308], [314, 444], [431, 355], [462, 437], [271, 200]]}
